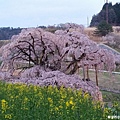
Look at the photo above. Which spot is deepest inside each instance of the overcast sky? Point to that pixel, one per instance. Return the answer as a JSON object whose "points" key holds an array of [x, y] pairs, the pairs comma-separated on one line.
{"points": [[33, 13]]}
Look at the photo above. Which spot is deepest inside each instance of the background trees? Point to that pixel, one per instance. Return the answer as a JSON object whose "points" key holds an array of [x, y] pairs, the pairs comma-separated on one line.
{"points": [[113, 15], [7, 32]]}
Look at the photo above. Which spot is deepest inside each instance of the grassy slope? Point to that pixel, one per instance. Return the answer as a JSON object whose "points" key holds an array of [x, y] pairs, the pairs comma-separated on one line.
{"points": [[109, 98], [106, 80]]}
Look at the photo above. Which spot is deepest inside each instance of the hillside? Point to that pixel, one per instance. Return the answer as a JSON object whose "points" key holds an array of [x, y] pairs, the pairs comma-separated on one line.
{"points": [[113, 15]]}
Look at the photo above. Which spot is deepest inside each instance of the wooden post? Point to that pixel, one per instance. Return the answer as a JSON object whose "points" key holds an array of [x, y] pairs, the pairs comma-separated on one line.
{"points": [[96, 74], [88, 73], [83, 72]]}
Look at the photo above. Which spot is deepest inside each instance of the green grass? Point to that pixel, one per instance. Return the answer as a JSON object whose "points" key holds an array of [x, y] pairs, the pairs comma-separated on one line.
{"points": [[106, 80], [115, 46], [110, 97], [23, 102], [111, 100]]}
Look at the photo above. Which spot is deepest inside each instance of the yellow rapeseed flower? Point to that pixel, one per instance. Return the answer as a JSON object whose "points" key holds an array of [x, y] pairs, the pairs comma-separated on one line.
{"points": [[56, 108], [8, 116], [4, 105], [86, 96], [60, 106], [80, 100], [26, 99], [35, 88], [97, 106], [67, 104], [11, 97], [106, 110], [50, 100], [115, 104], [71, 102], [73, 107], [80, 93], [50, 88], [71, 98], [70, 90], [63, 96]]}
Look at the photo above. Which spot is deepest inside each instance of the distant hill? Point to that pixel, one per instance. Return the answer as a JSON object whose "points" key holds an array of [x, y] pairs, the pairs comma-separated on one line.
{"points": [[113, 15], [7, 32]]}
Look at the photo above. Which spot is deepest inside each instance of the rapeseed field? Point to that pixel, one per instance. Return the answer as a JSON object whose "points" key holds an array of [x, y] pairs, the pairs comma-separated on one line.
{"points": [[29, 102]]}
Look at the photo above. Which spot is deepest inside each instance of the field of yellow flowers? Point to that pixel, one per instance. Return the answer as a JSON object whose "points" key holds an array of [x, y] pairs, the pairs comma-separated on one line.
{"points": [[28, 102]]}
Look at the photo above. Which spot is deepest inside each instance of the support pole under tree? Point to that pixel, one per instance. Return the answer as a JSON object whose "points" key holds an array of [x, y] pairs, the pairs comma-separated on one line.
{"points": [[96, 74], [83, 72], [88, 73]]}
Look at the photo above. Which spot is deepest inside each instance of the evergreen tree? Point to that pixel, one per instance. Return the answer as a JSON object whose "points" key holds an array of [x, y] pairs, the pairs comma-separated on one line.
{"points": [[103, 29]]}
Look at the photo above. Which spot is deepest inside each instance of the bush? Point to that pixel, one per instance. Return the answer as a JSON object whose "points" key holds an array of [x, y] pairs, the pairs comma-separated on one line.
{"points": [[23, 102]]}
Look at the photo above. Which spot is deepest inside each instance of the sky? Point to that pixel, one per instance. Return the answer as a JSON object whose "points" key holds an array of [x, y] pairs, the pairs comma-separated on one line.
{"points": [[33, 13]]}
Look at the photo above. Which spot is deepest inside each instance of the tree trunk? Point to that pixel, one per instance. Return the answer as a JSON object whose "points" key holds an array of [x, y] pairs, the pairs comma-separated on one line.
{"points": [[96, 74], [74, 69]]}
